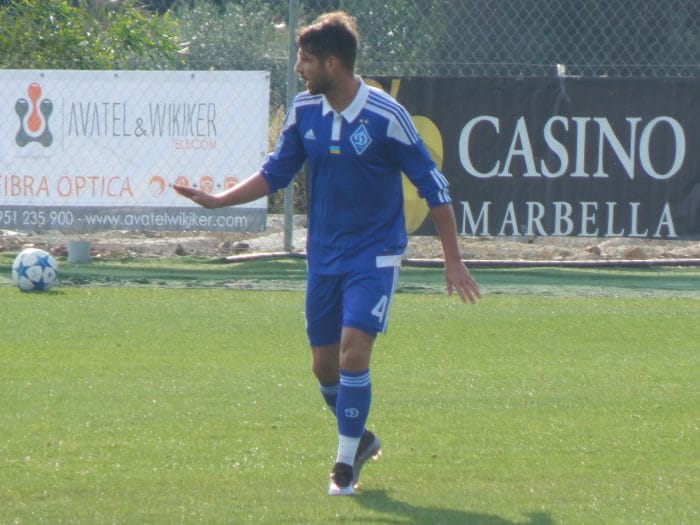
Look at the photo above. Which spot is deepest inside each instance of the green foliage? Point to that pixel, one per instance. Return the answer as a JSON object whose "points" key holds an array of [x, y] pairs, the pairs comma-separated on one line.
{"points": [[399, 39], [53, 34], [235, 36], [482, 37]]}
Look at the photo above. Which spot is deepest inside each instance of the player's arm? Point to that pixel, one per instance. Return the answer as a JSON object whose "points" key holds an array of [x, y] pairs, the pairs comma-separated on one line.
{"points": [[248, 190], [457, 275], [277, 172], [414, 160]]}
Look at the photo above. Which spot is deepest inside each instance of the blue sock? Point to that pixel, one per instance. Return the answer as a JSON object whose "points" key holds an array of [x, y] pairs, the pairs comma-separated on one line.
{"points": [[354, 398], [330, 394]]}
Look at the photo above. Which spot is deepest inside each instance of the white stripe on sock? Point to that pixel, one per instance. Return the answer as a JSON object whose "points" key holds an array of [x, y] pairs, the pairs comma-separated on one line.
{"points": [[357, 381]]}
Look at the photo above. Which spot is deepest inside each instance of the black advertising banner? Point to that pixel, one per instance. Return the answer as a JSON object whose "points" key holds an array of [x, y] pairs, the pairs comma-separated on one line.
{"points": [[587, 157]]}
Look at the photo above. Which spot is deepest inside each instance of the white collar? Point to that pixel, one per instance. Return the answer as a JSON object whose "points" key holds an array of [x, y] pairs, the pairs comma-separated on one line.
{"points": [[351, 112]]}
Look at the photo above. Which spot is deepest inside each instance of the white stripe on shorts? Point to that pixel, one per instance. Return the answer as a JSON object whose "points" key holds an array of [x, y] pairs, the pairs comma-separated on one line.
{"points": [[391, 297], [388, 261]]}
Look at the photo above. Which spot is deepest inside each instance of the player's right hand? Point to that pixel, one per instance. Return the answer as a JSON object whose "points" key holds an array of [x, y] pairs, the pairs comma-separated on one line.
{"points": [[207, 200]]}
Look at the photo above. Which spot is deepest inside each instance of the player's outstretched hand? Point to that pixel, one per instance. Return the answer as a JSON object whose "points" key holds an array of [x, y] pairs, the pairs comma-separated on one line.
{"points": [[460, 280], [202, 198]]}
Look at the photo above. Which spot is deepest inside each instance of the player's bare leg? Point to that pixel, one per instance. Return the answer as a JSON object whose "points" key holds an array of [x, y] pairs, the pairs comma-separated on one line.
{"points": [[325, 364]]}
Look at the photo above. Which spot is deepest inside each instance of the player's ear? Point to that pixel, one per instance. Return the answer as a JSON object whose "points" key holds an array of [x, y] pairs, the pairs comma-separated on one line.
{"points": [[332, 63]]}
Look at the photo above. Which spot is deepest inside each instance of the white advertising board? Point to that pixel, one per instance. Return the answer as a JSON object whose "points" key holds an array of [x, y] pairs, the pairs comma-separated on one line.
{"points": [[98, 150]]}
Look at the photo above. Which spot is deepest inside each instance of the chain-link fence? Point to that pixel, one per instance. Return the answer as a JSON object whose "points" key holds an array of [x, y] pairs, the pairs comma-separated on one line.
{"points": [[445, 38], [505, 38], [448, 38], [519, 38], [645, 38]]}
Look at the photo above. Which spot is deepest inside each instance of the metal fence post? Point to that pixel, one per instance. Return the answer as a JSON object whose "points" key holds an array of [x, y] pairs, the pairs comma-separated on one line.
{"points": [[291, 92]]}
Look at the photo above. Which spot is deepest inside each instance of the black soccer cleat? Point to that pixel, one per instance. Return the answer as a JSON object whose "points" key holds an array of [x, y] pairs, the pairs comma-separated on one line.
{"points": [[341, 480], [368, 448]]}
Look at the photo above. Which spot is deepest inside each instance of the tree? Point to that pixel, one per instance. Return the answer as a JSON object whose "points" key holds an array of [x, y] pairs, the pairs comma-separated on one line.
{"points": [[99, 34]]}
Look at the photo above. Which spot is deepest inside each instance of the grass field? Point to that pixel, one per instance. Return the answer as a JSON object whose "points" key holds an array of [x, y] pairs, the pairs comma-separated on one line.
{"points": [[156, 392]]}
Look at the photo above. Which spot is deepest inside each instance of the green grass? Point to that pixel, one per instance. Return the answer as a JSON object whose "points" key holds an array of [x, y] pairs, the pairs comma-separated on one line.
{"points": [[169, 405]]}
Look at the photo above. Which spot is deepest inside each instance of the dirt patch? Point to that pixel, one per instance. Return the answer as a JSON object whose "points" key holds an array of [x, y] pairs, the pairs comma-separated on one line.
{"points": [[119, 244]]}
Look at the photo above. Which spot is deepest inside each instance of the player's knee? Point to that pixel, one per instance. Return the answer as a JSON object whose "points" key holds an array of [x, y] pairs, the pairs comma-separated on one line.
{"points": [[324, 363], [354, 359], [325, 372], [355, 349]]}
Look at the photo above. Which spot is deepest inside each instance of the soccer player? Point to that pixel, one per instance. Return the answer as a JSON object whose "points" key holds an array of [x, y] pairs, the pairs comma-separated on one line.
{"points": [[356, 141]]}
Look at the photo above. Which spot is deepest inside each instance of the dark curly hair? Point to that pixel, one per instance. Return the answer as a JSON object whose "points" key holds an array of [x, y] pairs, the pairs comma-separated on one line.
{"points": [[331, 34]]}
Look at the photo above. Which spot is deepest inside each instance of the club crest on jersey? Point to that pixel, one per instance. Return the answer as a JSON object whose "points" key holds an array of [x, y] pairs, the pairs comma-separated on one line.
{"points": [[360, 139]]}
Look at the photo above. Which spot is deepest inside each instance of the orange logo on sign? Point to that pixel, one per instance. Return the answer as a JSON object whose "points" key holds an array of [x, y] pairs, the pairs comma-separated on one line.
{"points": [[206, 183], [156, 185], [34, 128]]}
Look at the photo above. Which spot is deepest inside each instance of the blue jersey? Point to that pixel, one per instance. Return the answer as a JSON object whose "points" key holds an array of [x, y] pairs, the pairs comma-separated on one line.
{"points": [[354, 163]]}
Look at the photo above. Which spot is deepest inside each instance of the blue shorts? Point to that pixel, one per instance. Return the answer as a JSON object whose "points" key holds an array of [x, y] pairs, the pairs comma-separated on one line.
{"points": [[358, 300]]}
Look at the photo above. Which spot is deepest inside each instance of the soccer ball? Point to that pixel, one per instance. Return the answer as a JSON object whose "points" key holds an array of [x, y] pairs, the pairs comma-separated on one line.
{"points": [[34, 270]]}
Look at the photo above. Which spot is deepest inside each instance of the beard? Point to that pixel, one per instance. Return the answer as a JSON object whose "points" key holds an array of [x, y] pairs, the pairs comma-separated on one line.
{"points": [[320, 85]]}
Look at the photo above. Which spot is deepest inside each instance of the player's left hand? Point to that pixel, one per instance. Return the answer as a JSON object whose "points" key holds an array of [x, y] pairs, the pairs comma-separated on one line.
{"points": [[460, 280]]}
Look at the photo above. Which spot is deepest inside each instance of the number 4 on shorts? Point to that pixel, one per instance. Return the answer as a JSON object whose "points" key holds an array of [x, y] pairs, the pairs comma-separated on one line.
{"points": [[379, 310]]}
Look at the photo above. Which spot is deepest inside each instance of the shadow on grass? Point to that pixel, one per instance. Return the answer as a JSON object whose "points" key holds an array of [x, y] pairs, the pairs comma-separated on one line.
{"points": [[380, 501]]}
